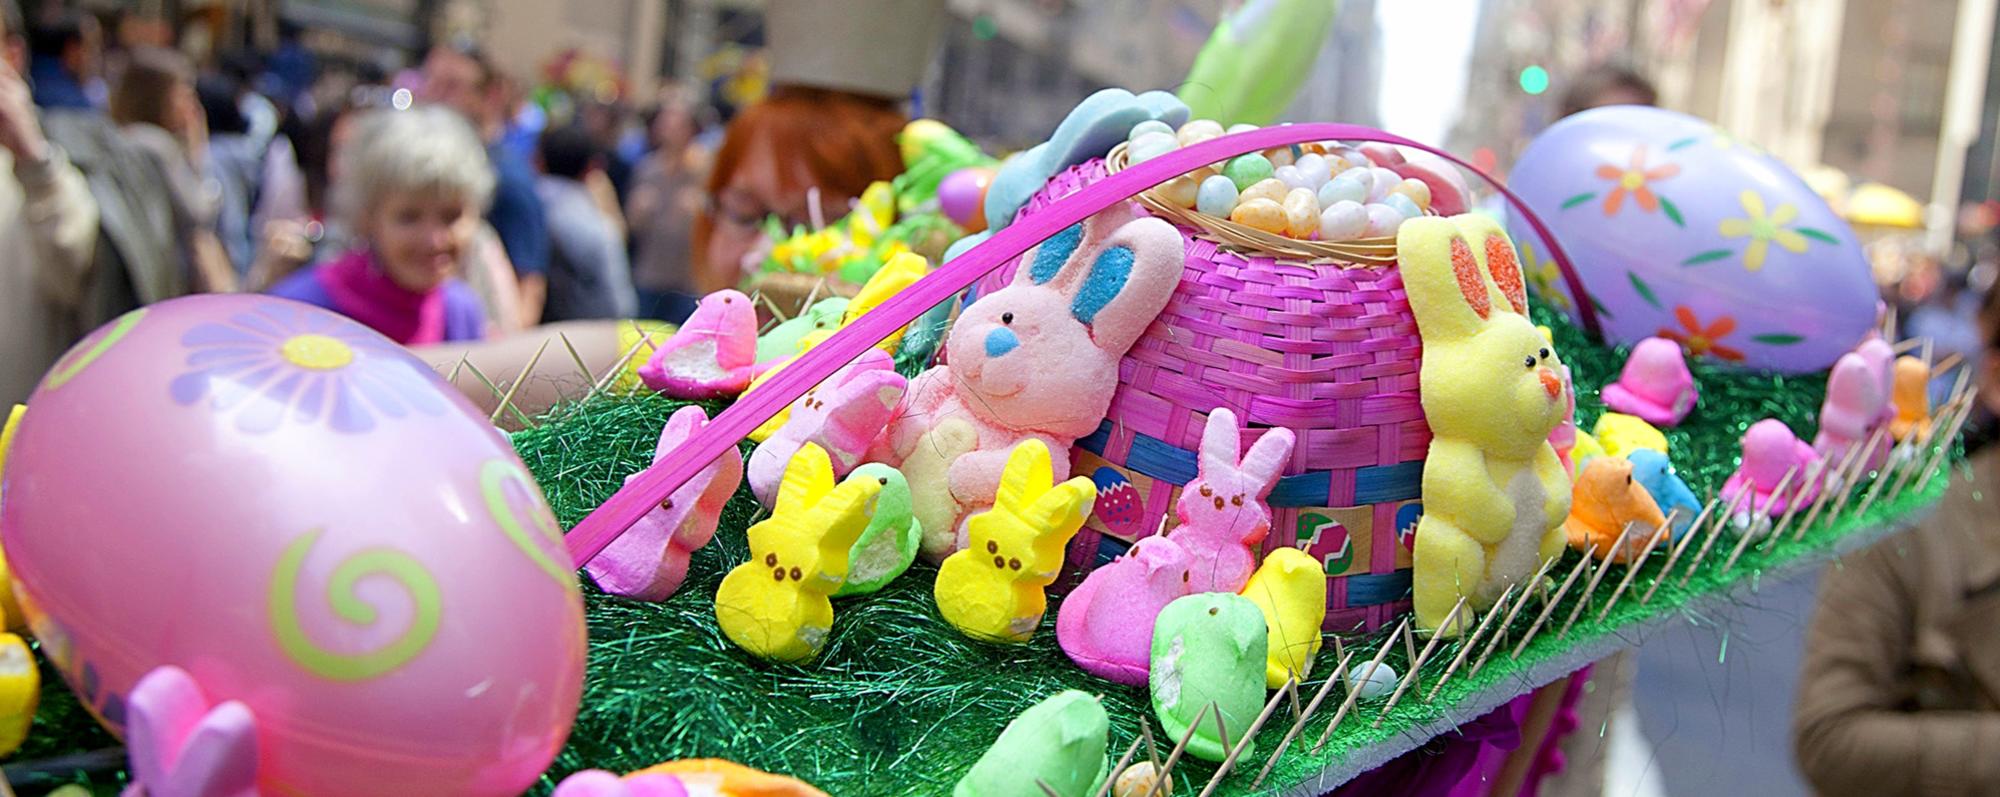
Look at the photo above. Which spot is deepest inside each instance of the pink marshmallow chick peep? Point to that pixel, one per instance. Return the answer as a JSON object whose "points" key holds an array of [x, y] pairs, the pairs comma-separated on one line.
{"points": [[1106, 625], [1881, 359], [599, 783], [1769, 451], [650, 561], [714, 354], [1222, 511], [1655, 385], [844, 415], [1852, 412], [181, 746]]}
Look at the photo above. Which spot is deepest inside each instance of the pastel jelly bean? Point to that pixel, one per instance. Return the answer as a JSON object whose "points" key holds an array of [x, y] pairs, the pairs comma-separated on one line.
{"points": [[1403, 205], [1383, 220], [1417, 190], [1312, 168], [1197, 131], [1344, 220], [1247, 170], [1241, 128], [1342, 189], [1216, 196], [1269, 188], [1301, 213], [1150, 146], [1280, 156], [1262, 214], [1149, 126], [1181, 192], [1384, 180], [1291, 176], [1363, 175]]}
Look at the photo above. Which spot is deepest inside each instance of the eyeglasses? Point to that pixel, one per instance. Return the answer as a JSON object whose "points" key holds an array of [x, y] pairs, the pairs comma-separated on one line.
{"points": [[740, 210]]}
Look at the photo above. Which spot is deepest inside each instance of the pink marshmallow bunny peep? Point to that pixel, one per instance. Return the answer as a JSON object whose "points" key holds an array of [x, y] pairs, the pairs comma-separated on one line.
{"points": [[1222, 512], [1037, 359], [1106, 624], [181, 746], [713, 354], [650, 561], [843, 415]]}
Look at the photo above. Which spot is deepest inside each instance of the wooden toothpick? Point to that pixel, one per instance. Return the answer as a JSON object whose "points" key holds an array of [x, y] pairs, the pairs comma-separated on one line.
{"points": [[1633, 567], [1944, 442], [1417, 662], [1693, 531], [1848, 487], [1550, 607], [1714, 533], [1119, 768], [1597, 577], [1465, 649], [1300, 723], [1839, 480], [1760, 515], [1244, 743], [1500, 631], [1354, 685], [1814, 475], [1167, 769]]}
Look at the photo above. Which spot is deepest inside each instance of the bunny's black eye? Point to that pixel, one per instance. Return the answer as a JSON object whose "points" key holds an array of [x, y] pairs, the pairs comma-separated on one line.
{"points": [[1529, 361], [1006, 318]]}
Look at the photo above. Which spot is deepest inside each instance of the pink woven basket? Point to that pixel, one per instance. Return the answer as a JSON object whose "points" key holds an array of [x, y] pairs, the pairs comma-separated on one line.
{"points": [[1328, 350]]}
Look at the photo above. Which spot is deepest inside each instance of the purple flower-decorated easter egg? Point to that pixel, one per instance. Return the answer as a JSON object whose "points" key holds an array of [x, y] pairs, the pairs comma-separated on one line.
{"points": [[1680, 231], [300, 515]]}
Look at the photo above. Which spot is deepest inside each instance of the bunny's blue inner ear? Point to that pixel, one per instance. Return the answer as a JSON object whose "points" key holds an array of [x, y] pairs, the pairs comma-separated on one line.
{"points": [[1054, 252], [1106, 280]]}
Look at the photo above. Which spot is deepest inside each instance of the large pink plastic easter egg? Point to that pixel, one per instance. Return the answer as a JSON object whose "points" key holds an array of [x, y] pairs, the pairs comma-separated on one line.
{"points": [[1680, 231], [298, 513]]}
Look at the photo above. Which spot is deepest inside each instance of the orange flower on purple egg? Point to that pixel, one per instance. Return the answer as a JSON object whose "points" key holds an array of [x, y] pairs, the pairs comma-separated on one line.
{"points": [[1699, 339], [1634, 180]]}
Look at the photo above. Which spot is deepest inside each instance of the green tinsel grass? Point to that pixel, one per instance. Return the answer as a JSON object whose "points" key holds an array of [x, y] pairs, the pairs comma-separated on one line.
{"points": [[899, 703]]}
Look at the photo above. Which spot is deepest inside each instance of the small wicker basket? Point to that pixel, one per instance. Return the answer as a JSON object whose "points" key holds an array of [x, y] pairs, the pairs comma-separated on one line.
{"points": [[1313, 336]]}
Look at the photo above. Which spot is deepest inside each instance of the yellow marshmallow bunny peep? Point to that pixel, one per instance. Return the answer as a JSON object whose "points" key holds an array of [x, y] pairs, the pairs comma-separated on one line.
{"points": [[993, 588], [775, 605], [1495, 495]]}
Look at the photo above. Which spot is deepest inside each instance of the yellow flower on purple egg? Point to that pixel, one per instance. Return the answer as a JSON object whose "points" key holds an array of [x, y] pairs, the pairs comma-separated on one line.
{"points": [[1545, 277], [277, 364], [1763, 229]]}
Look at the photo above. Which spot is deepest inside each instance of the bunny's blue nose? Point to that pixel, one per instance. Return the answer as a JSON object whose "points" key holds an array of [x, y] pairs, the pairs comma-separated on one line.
{"points": [[1000, 341]]}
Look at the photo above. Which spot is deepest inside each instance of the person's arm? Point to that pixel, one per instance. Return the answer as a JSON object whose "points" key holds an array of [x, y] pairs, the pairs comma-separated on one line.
{"points": [[60, 213], [603, 346], [1850, 735]]}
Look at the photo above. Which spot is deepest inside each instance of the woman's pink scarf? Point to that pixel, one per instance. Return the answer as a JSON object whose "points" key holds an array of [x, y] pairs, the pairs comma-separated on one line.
{"points": [[362, 292]]}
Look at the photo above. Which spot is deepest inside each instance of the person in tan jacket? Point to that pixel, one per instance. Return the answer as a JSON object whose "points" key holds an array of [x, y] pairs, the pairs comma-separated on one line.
{"points": [[48, 231], [1900, 692]]}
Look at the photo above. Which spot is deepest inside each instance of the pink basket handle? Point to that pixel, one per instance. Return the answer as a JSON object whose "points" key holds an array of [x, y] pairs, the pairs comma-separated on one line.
{"points": [[641, 494]]}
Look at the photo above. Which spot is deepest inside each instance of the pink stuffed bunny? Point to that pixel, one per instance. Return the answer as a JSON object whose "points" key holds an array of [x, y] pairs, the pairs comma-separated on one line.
{"points": [[180, 746], [1036, 359], [713, 354], [843, 415], [650, 561], [1112, 637], [1222, 512]]}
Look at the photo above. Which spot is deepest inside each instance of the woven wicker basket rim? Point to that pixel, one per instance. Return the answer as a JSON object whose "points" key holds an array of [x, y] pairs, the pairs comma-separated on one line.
{"points": [[1357, 253]]}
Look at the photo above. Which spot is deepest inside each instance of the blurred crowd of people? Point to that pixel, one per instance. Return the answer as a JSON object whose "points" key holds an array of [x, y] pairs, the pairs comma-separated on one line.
{"points": [[439, 204]]}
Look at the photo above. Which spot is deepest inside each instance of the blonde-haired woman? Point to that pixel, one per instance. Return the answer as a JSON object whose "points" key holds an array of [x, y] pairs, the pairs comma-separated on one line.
{"points": [[411, 189]]}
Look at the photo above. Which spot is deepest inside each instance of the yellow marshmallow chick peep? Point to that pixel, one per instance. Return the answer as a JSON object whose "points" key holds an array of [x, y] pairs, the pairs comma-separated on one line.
{"points": [[1290, 589], [775, 605], [1622, 434], [1495, 494], [992, 589]]}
